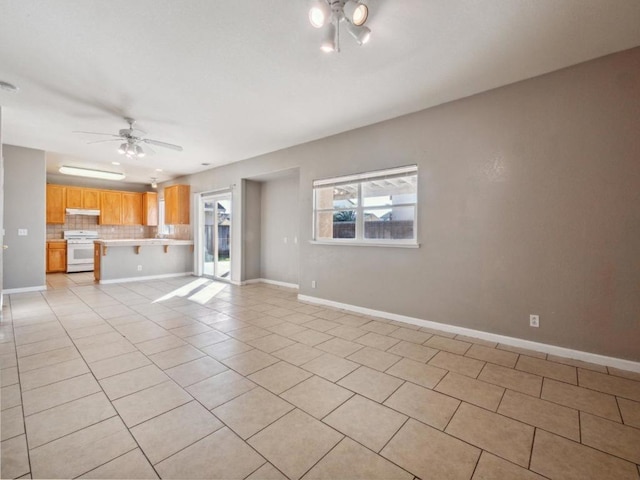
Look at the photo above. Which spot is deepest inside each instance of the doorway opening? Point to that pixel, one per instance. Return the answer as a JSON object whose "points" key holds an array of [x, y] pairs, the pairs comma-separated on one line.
{"points": [[215, 236]]}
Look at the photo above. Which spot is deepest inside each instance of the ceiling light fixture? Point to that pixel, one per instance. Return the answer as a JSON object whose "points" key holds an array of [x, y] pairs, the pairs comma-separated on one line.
{"points": [[319, 13], [131, 150], [329, 14], [154, 182], [86, 172]]}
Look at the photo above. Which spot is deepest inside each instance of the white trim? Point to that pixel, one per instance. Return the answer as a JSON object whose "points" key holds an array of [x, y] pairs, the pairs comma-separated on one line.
{"points": [[9, 291], [272, 282], [492, 337], [150, 277], [348, 243], [387, 172], [204, 193]]}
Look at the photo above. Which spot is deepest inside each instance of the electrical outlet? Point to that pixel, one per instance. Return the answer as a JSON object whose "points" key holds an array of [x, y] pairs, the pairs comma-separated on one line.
{"points": [[139, 268], [22, 232], [534, 321], [313, 284]]}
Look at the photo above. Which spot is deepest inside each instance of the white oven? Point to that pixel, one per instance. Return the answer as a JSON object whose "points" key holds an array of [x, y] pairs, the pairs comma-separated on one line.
{"points": [[80, 250]]}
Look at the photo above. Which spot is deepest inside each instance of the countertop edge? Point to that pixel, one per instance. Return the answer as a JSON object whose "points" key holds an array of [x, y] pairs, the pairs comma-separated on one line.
{"points": [[142, 242]]}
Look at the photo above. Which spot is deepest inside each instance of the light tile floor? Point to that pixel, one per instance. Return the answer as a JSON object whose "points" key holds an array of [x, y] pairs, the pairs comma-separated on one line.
{"points": [[188, 379]]}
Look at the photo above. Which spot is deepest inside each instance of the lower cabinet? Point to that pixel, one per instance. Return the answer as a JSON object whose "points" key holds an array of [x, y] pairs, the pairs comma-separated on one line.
{"points": [[56, 257]]}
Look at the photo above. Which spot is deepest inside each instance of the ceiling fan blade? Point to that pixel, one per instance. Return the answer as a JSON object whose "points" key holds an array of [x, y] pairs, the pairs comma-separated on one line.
{"points": [[97, 133], [149, 150], [102, 141], [171, 146]]}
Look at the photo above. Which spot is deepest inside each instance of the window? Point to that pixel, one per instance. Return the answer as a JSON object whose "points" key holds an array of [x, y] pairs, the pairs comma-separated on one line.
{"points": [[378, 208], [163, 230]]}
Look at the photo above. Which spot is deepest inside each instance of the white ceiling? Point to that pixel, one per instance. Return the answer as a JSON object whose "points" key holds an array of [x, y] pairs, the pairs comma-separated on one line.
{"points": [[230, 80]]}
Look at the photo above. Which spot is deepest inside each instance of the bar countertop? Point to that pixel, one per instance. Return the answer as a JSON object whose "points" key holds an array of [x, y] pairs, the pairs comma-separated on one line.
{"points": [[133, 242]]}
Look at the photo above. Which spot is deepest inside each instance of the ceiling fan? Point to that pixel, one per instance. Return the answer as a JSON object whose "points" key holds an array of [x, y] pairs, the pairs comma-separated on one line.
{"points": [[132, 138]]}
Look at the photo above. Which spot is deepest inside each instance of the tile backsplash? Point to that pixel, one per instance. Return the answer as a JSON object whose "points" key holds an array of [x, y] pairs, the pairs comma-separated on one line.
{"points": [[84, 222]]}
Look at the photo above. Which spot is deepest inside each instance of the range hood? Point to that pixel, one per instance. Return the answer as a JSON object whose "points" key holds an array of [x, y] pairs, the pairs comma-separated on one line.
{"points": [[83, 211]]}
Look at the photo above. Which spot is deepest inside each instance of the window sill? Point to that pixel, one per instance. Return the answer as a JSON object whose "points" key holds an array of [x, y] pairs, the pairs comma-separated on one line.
{"points": [[365, 244]]}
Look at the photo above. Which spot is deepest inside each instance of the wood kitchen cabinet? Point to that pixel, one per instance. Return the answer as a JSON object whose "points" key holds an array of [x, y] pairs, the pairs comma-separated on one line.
{"points": [[55, 203], [56, 256], [111, 208], [74, 197], [150, 209], [97, 257], [176, 205], [78, 197], [91, 198], [116, 207], [131, 208]]}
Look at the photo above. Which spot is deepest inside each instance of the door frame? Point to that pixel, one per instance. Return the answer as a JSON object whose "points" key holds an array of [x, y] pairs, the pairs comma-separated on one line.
{"points": [[198, 260]]}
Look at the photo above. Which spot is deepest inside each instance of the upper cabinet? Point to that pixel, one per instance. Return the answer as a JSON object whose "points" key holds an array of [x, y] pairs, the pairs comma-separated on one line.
{"points": [[91, 199], [116, 207], [74, 197], [55, 204], [150, 209], [78, 197], [176, 205], [111, 211], [131, 208]]}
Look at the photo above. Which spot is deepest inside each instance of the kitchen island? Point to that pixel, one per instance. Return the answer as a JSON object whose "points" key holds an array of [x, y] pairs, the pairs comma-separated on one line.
{"points": [[128, 260]]}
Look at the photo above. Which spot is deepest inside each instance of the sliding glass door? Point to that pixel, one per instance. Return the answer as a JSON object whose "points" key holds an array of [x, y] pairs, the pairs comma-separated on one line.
{"points": [[216, 236]]}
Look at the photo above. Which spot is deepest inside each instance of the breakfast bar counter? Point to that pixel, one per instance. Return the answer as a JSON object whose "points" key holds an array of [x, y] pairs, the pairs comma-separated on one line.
{"points": [[125, 260]]}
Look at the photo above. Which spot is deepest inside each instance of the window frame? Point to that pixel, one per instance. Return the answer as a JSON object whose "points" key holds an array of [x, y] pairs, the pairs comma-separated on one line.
{"points": [[164, 230], [360, 208]]}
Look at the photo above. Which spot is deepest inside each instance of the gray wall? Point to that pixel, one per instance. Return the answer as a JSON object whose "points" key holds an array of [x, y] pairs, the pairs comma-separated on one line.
{"points": [[24, 208], [251, 231], [1, 216], [528, 199], [280, 230], [122, 262]]}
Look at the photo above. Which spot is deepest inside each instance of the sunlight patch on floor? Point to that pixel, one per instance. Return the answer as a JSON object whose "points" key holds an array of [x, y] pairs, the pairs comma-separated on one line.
{"points": [[184, 290], [207, 293]]}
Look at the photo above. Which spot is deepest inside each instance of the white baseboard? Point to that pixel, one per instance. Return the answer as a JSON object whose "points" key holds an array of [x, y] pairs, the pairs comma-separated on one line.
{"points": [[150, 277], [295, 286], [8, 291], [492, 337]]}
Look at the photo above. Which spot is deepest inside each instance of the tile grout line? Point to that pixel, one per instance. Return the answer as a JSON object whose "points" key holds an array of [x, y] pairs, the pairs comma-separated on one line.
{"points": [[118, 415], [24, 422], [533, 442], [504, 391]]}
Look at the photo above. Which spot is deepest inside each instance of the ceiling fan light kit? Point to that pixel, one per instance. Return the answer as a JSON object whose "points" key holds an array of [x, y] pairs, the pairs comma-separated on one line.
{"points": [[131, 139], [330, 13]]}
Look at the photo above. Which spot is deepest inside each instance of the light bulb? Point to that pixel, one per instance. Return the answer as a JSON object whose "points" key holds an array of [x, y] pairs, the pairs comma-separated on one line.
{"points": [[356, 12], [122, 149], [139, 152], [318, 13]]}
